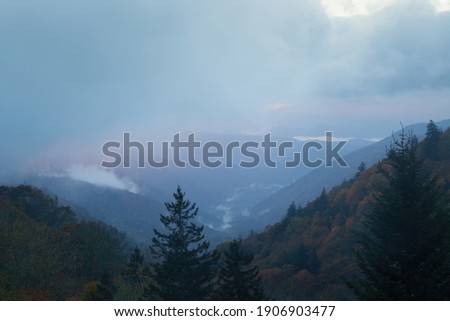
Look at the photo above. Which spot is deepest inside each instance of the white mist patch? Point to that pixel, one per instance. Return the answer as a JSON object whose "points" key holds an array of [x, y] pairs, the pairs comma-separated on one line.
{"points": [[227, 217], [320, 138], [373, 140], [241, 200], [324, 139], [102, 177]]}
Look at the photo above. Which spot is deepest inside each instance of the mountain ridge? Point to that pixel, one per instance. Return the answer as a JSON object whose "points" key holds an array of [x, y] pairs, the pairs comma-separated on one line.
{"points": [[307, 187]]}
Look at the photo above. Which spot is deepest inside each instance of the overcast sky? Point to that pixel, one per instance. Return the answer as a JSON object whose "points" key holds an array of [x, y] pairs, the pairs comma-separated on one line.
{"points": [[75, 73]]}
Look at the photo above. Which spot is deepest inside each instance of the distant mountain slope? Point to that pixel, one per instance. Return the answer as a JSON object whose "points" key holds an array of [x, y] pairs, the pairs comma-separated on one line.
{"points": [[132, 213], [272, 208], [225, 195], [308, 253]]}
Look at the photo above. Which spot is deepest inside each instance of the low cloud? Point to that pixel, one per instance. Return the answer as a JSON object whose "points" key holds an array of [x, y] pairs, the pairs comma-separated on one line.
{"points": [[100, 177], [227, 216], [320, 138], [274, 106], [324, 139]]}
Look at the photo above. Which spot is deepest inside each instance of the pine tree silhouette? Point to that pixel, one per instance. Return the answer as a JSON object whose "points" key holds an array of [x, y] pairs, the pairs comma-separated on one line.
{"points": [[238, 280], [183, 264], [404, 253]]}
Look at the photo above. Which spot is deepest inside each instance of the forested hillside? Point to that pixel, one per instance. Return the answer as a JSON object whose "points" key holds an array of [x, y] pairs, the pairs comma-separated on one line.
{"points": [[309, 254], [46, 253]]}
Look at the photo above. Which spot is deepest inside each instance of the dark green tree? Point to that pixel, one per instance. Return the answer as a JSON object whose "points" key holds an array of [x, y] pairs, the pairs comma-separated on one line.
{"points": [[292, 210], [431, 141], [313, 262], [361, 168], [404, 248], [238, 280], [432, 130], [183, 267], [135, 278], [135, 270]]}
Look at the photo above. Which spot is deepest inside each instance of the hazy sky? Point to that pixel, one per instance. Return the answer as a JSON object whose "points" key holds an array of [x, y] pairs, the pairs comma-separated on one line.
{"points": [[75, 73]]}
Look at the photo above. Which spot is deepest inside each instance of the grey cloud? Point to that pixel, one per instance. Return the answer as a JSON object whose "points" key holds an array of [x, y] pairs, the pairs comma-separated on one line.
{"points": [[400, 49], [73, 70]]}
